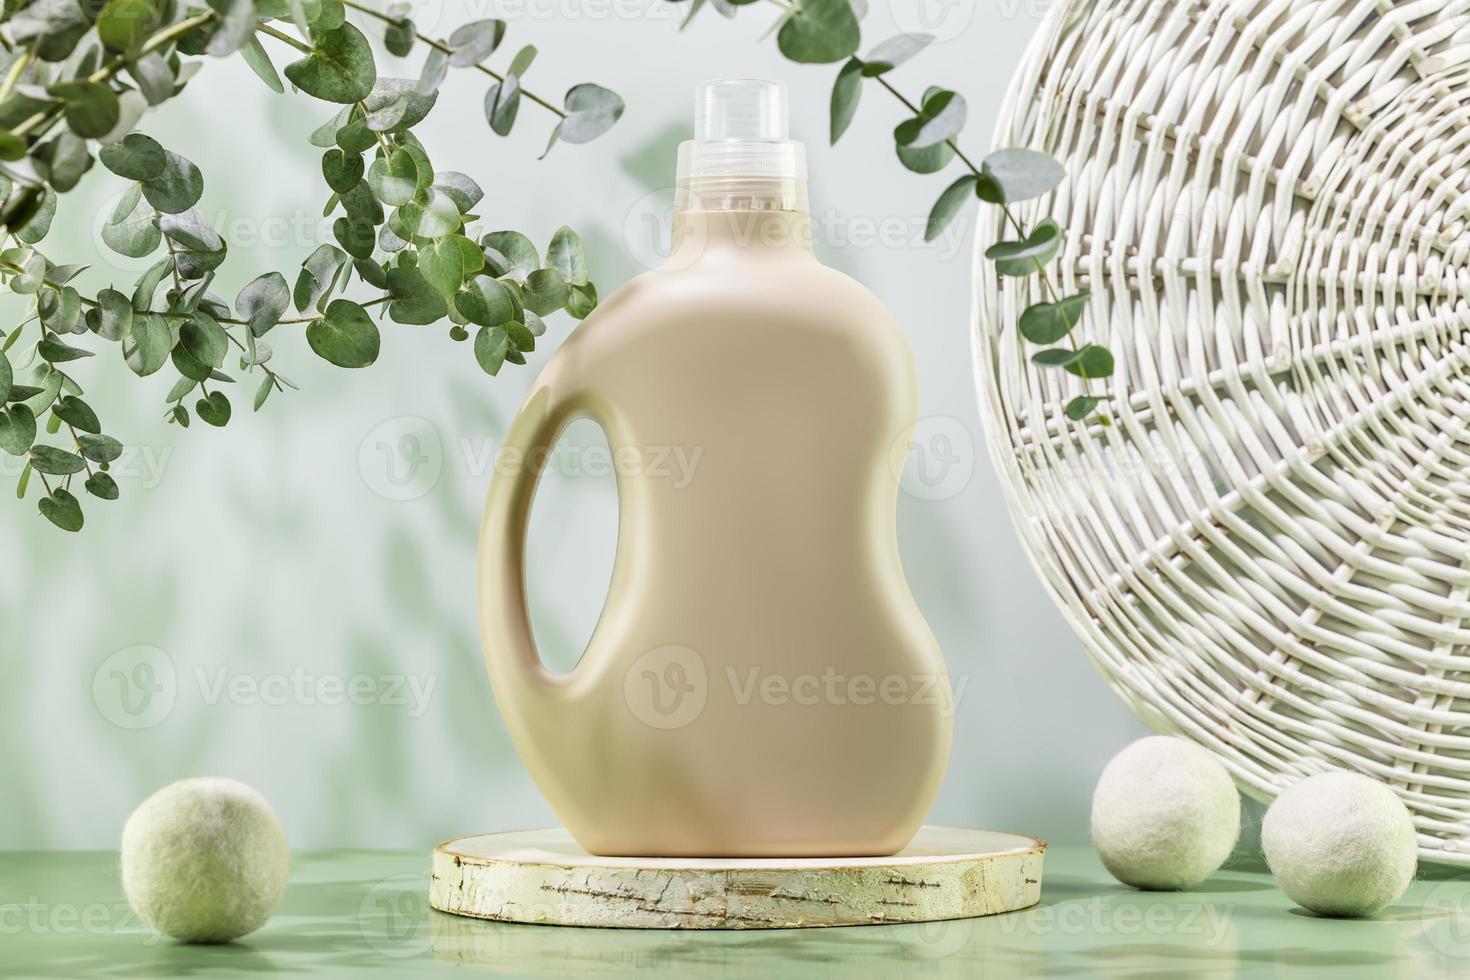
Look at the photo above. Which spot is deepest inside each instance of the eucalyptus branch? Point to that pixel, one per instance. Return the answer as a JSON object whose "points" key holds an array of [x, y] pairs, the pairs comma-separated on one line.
{"points": [[828, 31], [445, 49], [90, 302], [400, 225]]}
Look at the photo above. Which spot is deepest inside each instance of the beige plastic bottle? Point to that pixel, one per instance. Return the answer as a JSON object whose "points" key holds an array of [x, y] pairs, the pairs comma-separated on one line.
{"points": [[760, 682]]}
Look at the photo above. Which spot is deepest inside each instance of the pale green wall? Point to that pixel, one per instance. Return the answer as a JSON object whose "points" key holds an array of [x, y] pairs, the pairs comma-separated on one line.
{"points": [[266, 548]]}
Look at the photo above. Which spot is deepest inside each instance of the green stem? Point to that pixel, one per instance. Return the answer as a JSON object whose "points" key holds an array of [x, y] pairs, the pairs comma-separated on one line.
{"points": [[446, 49], [916, 111], [1046, 282], [88, 301], [16, 70], [285, 38], [49, 115], [77, 444]]}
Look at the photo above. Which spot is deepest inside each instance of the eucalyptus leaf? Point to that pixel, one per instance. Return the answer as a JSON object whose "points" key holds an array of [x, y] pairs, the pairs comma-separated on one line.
{"points": [[190, 230], [55, 351], [342, 170], [398, 38], [436, 66], [491, 345], [591, 111], [234, 26], [204, 339], [845, 94], [136, 233], [449, 262], [52, 461], [519, 255], [62, 160], [941, 118], [90, 108], [1023, 174], [102, 486], [147, 347], [114, 315], [522, 61], [263, 392], [17, 429], [254, 55], [99, 448], [485, 301], [521, 337], [214, 409], [356, 236], [155, 77], [926, 159], [1047, 323], [428, 215], [50, 381], [61, 508], [339, 69], [459, 188], [820, 32], [545, 292], [894, 52], [319, 275], [1028, 257], [472, 43], [38, 225], [346, 336], [394, 179], [263, 301], [77, 414], [135, 156], [413, 106], [178, 188], [949, 205], [567, 256], [502, 102], [581, 299]]}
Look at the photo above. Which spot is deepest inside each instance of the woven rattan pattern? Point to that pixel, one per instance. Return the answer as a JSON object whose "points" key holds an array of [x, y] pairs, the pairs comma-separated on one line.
{"points": [[1269, 549]]}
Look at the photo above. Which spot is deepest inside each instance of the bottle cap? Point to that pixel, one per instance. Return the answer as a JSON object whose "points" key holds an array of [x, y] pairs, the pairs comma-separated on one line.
{"points": [[742, 157]]}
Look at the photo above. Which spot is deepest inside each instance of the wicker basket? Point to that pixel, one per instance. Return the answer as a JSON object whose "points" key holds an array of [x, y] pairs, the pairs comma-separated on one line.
{"points": [[1269, 549]]}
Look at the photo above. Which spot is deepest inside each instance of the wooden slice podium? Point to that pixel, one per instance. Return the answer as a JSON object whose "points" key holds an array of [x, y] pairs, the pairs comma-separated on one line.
{"points": [[544, 877]]}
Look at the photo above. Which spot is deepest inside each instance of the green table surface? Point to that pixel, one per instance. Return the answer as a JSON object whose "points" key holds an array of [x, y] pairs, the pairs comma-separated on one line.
{"points": [[366, 914]]}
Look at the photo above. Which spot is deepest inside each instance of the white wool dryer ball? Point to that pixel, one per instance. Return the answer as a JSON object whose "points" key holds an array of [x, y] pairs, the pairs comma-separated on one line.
{"points": [[1165, 814], [204, 860], [1340, 843]]}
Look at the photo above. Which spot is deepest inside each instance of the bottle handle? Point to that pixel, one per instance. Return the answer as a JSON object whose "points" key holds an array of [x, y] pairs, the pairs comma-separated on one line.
{"points": [[517, 673]]}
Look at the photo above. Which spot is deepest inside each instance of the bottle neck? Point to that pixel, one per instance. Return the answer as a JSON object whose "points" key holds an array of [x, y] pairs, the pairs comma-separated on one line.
{"points": [[703, 234], [712, 192]]}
